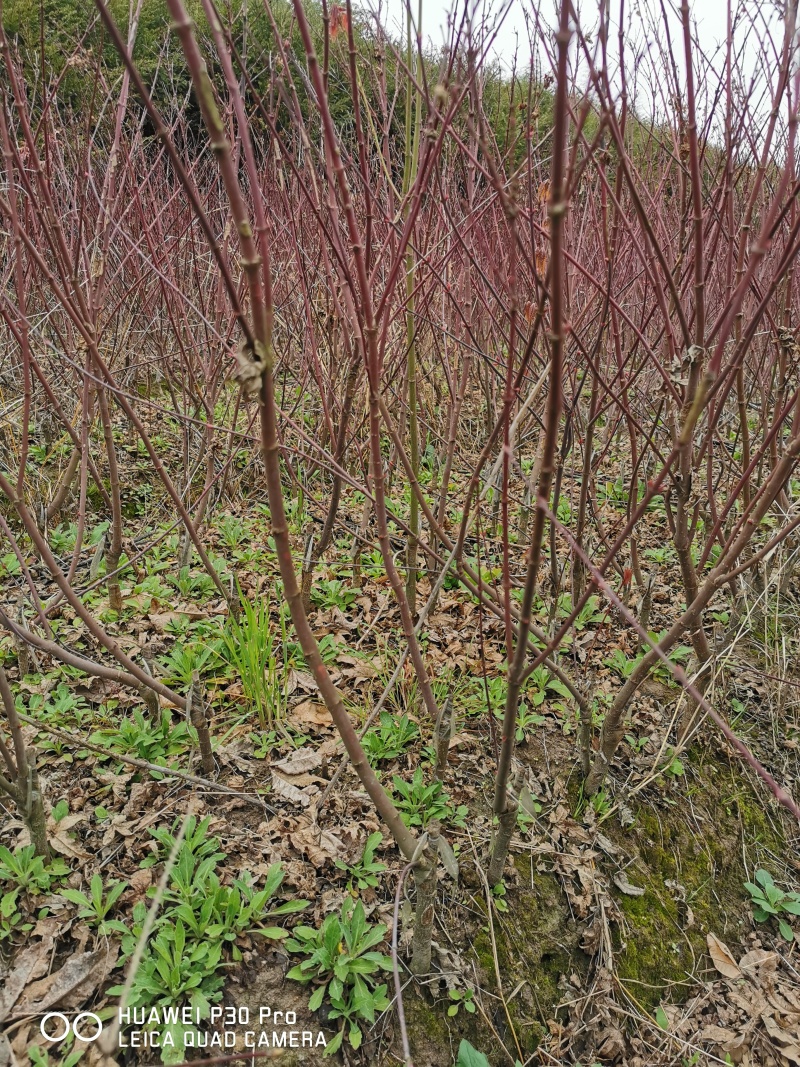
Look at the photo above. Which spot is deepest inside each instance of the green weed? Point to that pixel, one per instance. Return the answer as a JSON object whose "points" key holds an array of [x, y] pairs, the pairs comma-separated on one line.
{"points": [[364, 872], [418, 803], [771, 902], [340, 960]]}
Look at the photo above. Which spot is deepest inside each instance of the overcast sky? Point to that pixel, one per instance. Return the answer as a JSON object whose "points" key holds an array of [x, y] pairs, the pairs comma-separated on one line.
{"points": [[710, 15], [762, 20]]}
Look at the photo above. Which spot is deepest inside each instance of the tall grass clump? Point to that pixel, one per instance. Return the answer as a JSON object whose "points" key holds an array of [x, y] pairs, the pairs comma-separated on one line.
{"points": [[250, 648]]}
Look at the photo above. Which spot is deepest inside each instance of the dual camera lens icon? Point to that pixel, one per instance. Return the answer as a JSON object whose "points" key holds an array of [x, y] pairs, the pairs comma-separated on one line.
{"points": [[55, 1026]]}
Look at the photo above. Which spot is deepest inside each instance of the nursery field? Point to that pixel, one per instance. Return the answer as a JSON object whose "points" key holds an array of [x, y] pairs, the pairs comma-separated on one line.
{"points": [[399, 553]]}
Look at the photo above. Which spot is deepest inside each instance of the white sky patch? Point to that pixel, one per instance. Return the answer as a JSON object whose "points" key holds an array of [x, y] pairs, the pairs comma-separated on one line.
{"points": [[758, 30]]}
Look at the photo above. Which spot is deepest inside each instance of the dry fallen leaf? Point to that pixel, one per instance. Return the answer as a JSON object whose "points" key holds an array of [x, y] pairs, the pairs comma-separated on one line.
{"points": [[284, 790], [718, 1034], [6, 1054], [758, 957], [309, 713], [321, 846], [140, 881], [22, 1042], [28, 962], [300, 680], [302, 780], [62, 840], [59, 836], [460, 739], [303, 759], [606, 845], [787, 1038], [722, 957], [621, 881], [611, 1044], [81, 975], [162, 619]]}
